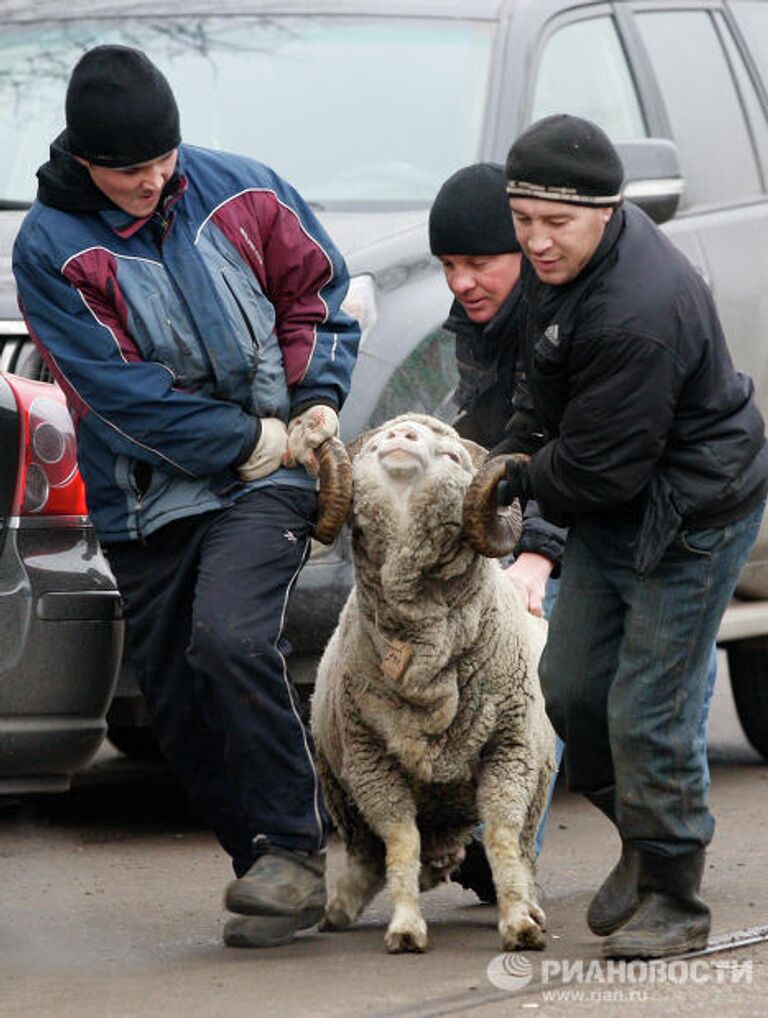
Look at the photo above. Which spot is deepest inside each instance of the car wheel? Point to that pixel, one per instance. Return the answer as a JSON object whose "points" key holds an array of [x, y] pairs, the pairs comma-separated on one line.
{"points": [[748, 667], [29, 363], [137, 743]]}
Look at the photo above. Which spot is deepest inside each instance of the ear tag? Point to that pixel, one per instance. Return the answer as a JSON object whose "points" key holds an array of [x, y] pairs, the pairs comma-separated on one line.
{"points": [[397, 659]]}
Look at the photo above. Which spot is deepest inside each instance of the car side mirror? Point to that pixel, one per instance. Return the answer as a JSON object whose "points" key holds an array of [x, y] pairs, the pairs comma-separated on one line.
{"points": [[653, 179]]}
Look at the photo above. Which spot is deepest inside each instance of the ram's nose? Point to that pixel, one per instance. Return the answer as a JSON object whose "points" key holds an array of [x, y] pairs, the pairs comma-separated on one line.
{"points": [[402, 453], [408, 434]]}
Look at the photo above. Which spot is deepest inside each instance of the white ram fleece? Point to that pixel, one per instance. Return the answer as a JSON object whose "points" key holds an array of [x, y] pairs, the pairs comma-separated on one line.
{"points": [[461, 735]]}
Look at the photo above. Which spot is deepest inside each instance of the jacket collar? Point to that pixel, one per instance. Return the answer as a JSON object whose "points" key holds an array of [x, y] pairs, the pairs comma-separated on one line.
{"points": [[63, 183]]}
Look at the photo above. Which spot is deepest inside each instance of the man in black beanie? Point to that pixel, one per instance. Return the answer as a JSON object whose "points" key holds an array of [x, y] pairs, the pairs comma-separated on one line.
{"points": [[472, 233], [189, 303], [654, 455]]}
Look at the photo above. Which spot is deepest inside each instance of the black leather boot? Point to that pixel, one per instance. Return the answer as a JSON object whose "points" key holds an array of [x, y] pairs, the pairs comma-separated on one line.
{"points": [[475, 873], [671, 917], [617, 898]]}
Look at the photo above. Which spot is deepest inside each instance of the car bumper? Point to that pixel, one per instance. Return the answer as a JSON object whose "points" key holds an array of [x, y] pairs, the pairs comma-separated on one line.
{"points": [[61, 633]]}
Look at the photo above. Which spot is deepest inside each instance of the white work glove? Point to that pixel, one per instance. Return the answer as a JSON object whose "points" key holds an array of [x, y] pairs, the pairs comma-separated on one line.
{"points": [[267, 454], [306, 432]]}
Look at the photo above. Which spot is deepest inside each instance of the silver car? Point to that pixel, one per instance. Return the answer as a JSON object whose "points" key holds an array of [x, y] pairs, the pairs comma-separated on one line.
{"points": [[367, 106]]}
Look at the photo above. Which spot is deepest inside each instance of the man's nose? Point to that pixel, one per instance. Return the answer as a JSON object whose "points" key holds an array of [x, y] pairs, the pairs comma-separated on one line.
{"points": [[538, 241], [155, 179], [462, 282]]}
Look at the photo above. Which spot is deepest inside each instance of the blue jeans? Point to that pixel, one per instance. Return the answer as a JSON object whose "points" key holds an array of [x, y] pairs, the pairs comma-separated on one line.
{"points": [[553, 585], [626, 669], [700, 747]]}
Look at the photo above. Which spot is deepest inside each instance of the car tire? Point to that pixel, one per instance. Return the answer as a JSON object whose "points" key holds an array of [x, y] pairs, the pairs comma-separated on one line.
{"points": [[30, 364], [748, 667], [135, 742]]}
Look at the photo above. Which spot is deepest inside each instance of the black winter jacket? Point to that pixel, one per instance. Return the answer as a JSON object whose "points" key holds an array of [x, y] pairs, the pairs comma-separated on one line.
{"points": [[632, 380]]}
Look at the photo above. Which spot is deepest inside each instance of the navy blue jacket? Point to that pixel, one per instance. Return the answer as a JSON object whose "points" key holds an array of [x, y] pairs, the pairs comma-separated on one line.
{"points": [[172, 335]]}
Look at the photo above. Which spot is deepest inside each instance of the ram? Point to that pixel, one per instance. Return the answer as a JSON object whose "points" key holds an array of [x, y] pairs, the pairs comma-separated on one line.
{"points": [[427, 713]]}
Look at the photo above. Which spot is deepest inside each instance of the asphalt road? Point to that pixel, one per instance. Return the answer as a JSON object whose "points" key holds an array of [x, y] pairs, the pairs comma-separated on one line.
{"points": [[111, 908]]}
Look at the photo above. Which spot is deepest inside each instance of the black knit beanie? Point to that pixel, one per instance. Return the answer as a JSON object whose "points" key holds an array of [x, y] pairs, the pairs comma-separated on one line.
{"points": [[471, 215], [120, 109], [567, 159]]}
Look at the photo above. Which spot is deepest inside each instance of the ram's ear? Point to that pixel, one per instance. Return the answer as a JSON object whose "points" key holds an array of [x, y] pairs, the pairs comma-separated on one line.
{"points": [[478, 453], [354, 447]]}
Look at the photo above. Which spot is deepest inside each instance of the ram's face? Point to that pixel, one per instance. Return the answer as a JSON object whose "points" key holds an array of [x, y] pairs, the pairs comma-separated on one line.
{"points": [[416, 474], [410, 478], [407, 451]]}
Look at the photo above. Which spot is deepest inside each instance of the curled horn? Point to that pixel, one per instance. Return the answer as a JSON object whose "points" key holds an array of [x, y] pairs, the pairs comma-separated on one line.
{"points": [[335, 495], [486, 529]]}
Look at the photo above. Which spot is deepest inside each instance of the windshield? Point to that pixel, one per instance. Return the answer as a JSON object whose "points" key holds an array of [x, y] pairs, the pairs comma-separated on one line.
{"points": [[350, 111]]}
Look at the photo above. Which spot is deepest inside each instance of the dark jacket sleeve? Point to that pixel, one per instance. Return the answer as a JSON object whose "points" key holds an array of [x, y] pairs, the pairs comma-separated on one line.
{"points": [[540, 536], [521, 434]]}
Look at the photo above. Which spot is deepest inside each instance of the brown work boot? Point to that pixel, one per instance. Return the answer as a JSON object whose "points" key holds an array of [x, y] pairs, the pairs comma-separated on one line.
{"points": [[474, 873], [281, 883], [671, 918]]}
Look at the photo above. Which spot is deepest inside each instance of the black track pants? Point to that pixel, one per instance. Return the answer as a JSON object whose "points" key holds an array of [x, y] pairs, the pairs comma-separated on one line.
{"points": [[205, 602]]}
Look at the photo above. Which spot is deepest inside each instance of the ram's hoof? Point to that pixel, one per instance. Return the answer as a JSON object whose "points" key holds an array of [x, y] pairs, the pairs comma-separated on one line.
{"points": [[336, 918], [523, 929], [401, 941]]}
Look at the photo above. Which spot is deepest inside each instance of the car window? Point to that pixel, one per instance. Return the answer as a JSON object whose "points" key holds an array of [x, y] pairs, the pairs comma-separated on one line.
{"points": [[703, 104], [752, 105], [424, 382], [350, 110], [752, 19], [583, 70]]}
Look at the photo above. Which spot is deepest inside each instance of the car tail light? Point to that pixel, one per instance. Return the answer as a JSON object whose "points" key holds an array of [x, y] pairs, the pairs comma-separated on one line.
{"points": [[49, 483]]}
